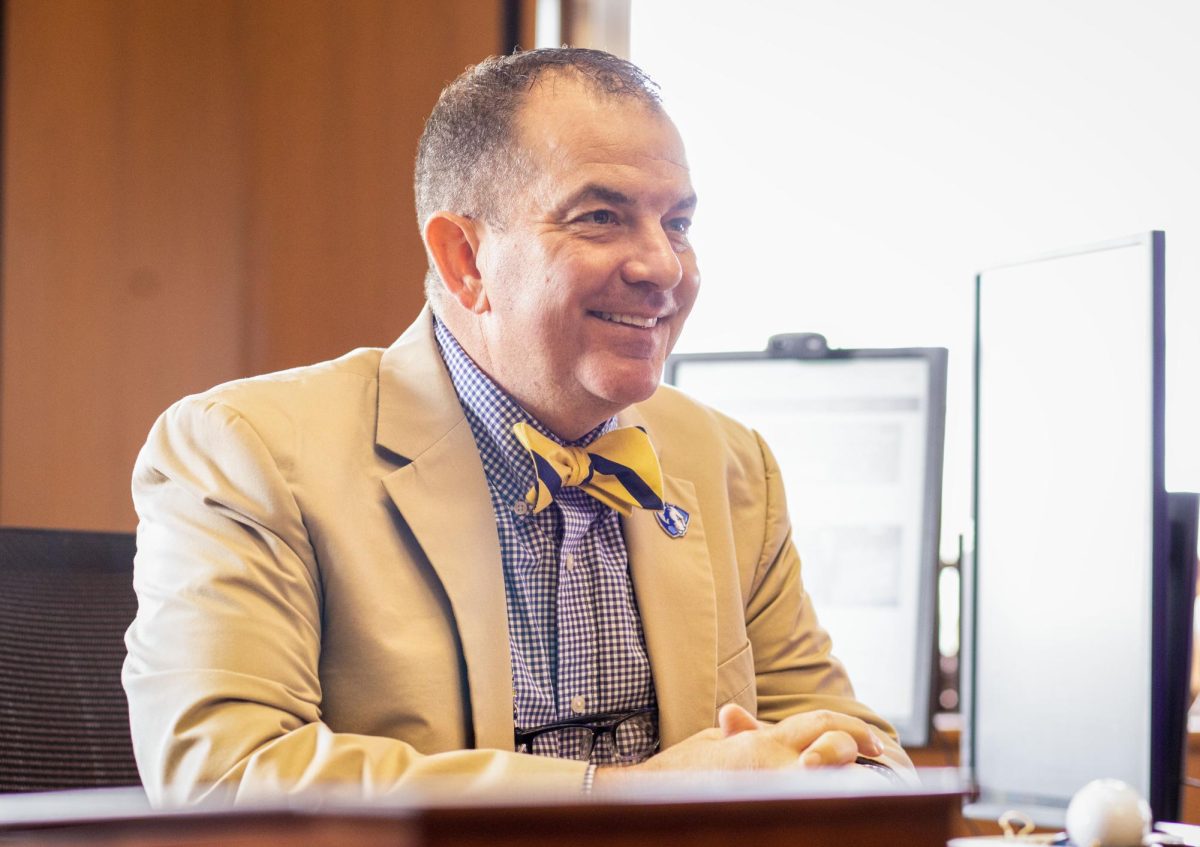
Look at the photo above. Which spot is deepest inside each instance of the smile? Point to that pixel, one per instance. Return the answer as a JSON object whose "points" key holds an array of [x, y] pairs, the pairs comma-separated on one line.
{"points": [[628, 320]]}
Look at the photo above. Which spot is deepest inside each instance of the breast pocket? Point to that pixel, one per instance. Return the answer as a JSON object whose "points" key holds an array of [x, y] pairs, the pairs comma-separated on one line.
{"points": [[735, 681]]}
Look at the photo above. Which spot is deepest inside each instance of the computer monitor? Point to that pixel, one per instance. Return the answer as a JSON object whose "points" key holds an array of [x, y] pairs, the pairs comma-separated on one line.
{"points": [[1071, 672], [859, 436]]}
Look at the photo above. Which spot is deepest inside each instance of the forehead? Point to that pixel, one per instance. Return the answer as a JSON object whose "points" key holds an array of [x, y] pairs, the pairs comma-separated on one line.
{"points": [[573, 136]]}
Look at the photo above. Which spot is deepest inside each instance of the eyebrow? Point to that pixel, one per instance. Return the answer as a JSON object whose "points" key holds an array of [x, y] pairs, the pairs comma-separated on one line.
{"points": [[688, 202], [595, 191], [605, 194]]}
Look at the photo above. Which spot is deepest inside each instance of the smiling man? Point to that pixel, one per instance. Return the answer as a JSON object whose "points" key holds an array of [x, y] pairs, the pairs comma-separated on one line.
{"points": [[497, 550], [574, 292]]}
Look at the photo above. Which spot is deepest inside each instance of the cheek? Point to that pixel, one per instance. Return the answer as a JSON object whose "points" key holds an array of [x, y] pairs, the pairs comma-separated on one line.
{"points": [[579, 269], [689, 288], [691, 272]]}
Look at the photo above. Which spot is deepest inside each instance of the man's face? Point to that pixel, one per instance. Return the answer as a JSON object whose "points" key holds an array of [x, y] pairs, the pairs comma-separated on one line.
{"points": [[589, 276]]}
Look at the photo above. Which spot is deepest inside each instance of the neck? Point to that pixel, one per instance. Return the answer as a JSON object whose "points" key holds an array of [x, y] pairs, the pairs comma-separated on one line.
{"points": [[568, 420], [567, 430]]}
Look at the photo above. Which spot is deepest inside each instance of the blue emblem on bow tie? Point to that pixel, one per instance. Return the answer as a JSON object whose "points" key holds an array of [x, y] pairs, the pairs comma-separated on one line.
{"points": [[673, 520]]}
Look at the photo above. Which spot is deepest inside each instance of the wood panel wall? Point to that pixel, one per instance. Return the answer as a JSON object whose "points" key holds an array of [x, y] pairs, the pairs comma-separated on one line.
{"points": [[197, 190]]}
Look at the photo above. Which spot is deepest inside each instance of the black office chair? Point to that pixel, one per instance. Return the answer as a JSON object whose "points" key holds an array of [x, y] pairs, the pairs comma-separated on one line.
{"points": [[65, 601]]}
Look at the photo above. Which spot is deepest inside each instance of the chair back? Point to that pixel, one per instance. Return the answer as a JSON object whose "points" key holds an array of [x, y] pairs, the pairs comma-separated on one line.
{"points": [[66, 599]]}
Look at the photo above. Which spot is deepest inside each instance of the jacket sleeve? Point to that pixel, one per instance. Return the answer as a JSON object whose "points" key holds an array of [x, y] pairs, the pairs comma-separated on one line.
{"points": [[794, 668], [222, 669]]}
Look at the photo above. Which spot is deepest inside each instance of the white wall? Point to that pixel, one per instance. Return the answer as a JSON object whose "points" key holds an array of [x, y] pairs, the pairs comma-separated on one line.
{"points": [[857, 162]]}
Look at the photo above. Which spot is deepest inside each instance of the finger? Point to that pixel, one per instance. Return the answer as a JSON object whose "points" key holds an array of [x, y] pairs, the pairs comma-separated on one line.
{"points": [[832, 748], [801, 730], [733, 719]]}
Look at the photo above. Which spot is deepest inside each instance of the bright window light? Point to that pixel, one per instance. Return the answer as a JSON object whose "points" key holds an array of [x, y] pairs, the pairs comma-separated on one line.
{"points": [[858, 162]]}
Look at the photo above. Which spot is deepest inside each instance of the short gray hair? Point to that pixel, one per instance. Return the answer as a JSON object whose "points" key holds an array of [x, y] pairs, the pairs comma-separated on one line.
{"points": [[468, 159]]}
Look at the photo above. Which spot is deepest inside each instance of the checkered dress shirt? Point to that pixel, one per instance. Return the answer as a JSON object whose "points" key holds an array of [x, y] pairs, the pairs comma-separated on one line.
{"points": [[575, 634]]}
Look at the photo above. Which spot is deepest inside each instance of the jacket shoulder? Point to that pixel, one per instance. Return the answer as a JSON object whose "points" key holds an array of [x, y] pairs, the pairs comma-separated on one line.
{"points": [[686, 431], [284, 409], [295, 387]]}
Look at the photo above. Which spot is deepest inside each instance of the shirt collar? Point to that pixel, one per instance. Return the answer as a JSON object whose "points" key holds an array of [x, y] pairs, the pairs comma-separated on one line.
{"points": [[495, 411]]}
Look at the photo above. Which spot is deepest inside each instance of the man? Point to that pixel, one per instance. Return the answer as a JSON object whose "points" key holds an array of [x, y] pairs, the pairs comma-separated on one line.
{"points": [[362, 573]]}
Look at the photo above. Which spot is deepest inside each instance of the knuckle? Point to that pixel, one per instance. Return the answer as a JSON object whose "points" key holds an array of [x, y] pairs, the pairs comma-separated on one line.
{"points": [[825, 719]]}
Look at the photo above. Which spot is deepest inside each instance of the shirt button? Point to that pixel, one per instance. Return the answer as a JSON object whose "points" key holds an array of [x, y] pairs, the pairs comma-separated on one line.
{"points": [[520, 508], [570, 561], [578, 703]]}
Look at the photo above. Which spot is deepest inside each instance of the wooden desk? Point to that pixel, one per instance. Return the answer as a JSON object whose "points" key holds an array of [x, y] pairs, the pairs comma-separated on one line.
{"points": [[705, 817]]}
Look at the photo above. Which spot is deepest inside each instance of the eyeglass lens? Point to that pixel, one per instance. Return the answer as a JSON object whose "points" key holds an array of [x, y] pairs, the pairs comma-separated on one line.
{"points": [[631, 740]]}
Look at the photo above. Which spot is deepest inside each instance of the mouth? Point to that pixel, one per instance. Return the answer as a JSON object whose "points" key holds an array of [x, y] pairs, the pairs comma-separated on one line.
{"points": [[626, 320]]}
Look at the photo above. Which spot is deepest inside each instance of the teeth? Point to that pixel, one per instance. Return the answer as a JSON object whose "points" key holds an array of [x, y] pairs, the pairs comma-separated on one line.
{"points": [[631, 320]]}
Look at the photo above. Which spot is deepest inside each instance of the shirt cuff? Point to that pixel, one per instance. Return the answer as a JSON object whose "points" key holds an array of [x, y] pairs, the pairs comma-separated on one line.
{"points": [[589, 777]]}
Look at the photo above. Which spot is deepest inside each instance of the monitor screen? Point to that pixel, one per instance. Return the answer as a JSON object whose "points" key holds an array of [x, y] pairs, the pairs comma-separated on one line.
{"points": [[858, 437], [1070, 521]]}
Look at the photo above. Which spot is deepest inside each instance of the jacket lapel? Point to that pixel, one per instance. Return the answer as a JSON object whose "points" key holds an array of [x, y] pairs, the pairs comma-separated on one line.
{"points": [[673, 583], [420, 420]]}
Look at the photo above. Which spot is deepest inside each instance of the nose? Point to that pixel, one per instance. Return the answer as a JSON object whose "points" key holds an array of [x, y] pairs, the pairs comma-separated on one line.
{"points": [[653, 260]]}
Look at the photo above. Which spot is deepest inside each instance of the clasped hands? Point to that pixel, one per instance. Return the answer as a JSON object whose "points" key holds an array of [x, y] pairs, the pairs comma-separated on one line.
{"points": [[741, 742]]}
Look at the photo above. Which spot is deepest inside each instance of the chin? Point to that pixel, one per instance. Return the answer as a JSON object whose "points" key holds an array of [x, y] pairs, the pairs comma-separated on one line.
{"points": [[625, 389]]}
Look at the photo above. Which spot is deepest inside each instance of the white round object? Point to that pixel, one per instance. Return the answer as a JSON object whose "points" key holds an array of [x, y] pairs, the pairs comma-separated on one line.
{"points": [[1107, 813]]}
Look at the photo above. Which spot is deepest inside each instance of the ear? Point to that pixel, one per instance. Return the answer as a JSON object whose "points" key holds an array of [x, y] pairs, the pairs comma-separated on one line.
{"points": [[453, 242]]}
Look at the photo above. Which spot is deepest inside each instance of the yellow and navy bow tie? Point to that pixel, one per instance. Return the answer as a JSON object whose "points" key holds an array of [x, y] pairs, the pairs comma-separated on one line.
{"points": [[619, 469]]}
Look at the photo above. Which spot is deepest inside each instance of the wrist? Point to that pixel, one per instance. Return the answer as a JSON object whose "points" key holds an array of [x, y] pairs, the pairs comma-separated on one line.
{"points": [[606, 776]]}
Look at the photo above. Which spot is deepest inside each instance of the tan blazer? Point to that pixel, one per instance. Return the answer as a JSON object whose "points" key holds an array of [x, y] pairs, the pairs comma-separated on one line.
{"points": [[321, 598]]}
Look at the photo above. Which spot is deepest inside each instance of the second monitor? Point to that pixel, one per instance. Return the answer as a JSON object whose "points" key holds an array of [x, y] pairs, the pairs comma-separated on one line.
{"points": [[858, 435]]}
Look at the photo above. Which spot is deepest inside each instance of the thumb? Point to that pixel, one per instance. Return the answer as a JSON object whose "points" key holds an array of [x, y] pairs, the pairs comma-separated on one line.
{"points": [[733, 719]]}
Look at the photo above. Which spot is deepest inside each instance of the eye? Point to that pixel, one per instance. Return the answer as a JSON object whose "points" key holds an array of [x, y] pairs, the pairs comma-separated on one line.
{"points": [[603, 217], [679, 225]]}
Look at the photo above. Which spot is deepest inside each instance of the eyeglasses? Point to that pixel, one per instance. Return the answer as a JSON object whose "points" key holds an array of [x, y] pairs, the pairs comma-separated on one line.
{"points": [[622, 738]]}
